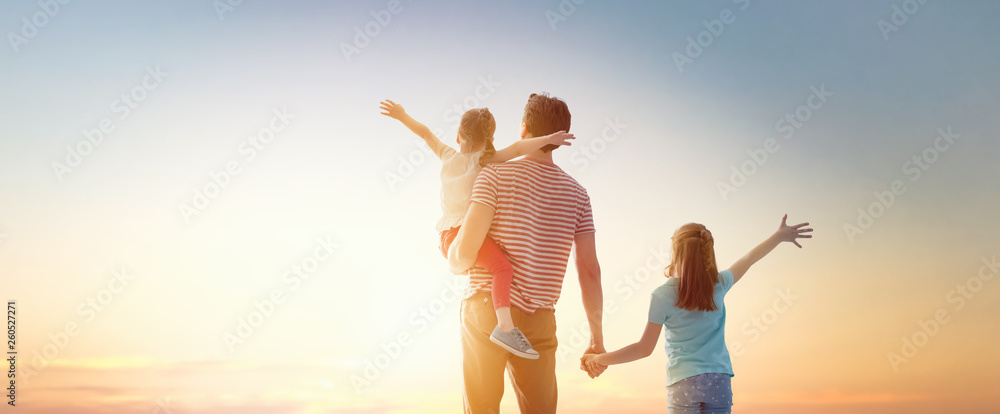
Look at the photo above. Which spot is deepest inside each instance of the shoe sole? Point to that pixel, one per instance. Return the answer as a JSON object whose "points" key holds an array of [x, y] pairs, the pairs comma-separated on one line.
{"points": [[512, 350]]}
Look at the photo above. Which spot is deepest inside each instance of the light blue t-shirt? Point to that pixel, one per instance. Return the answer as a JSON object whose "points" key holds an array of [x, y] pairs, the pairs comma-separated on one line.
{"points": [[696, 340]]}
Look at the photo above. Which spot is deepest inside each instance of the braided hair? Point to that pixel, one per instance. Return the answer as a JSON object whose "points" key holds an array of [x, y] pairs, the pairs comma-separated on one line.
{"points": [[694, 264], [477, 126]]}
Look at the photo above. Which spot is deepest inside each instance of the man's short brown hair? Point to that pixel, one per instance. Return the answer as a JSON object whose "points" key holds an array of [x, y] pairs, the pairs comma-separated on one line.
{"points": [[544, 115]]}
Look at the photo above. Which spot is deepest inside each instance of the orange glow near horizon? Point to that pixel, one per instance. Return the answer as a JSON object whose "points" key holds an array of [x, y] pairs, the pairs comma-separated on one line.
{"points": [[249, 235]]}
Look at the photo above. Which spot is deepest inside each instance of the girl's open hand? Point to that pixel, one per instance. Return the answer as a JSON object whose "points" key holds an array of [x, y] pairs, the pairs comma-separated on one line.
{"points": [[391, 109], [561, 138], [788, 233]]}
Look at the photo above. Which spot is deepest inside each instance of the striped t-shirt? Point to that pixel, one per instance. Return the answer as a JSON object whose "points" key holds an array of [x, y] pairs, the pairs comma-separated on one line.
{"points": [[539, 211]]}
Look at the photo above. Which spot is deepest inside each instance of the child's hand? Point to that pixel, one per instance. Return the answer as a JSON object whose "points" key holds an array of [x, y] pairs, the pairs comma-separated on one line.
{"points": [[561, 138], [788, 233], [392, 110], [589, 363]]}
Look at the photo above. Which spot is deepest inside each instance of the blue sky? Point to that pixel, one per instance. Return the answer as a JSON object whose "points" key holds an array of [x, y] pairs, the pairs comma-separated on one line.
{"points": [[680, 133]]}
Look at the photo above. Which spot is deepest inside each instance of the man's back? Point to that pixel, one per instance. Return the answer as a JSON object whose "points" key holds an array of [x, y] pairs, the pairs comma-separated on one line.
{"points": [[539, 211]]}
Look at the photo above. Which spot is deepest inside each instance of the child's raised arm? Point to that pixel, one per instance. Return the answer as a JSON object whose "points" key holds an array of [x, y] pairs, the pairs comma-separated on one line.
{"points": [[396, 111], [785, 233], [529, 145]]}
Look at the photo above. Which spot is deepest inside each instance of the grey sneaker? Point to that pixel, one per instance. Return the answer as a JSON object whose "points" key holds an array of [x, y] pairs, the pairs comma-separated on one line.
{"points": [[515, 342]]}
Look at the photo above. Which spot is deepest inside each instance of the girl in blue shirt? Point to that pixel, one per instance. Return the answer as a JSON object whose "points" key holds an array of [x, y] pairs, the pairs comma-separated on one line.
{"points": [[690, 306]]}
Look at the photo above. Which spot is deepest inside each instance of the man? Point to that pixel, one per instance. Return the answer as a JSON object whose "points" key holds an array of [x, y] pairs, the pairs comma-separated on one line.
{"points": [[537, 213]]}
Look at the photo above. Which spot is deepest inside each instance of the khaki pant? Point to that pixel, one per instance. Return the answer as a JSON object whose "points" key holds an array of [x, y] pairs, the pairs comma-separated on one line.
{"points": [[484, 362]]}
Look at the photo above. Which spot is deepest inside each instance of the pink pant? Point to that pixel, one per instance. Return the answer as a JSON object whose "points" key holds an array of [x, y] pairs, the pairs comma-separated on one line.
{"points": [[492, 259]]}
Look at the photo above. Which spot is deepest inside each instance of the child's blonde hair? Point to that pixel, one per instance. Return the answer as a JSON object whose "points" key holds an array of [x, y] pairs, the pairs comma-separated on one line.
{"points": [[477, 127], [694, 264]]}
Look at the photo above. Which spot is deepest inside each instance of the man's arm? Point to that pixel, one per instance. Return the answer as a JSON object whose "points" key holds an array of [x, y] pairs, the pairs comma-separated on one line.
{"points": [[529, 145], [590, 287], [465, 248]]}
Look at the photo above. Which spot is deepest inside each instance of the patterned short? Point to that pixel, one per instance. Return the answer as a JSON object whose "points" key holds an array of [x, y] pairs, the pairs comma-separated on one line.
{"points": [[705, 393]]}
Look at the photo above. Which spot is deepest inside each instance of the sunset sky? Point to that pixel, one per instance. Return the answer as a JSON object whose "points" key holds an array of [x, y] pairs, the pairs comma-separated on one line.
{"points": [[244, 159]]}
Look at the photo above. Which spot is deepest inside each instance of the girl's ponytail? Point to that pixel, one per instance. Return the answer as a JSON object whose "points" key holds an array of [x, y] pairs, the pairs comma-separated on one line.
{"points": [[694, 264], [488, 153], [708, 252], [477, 126]]}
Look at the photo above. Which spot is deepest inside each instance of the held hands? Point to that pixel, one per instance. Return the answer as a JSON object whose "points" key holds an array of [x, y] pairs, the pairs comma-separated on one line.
{"points": [[588, 363], [788, 233], [391, 109], [560, 138]]}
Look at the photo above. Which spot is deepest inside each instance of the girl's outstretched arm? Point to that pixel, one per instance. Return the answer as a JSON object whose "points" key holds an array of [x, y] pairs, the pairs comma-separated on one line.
{"points": [[529, 145], [396, 111], [785, 233], [638, 350]]}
